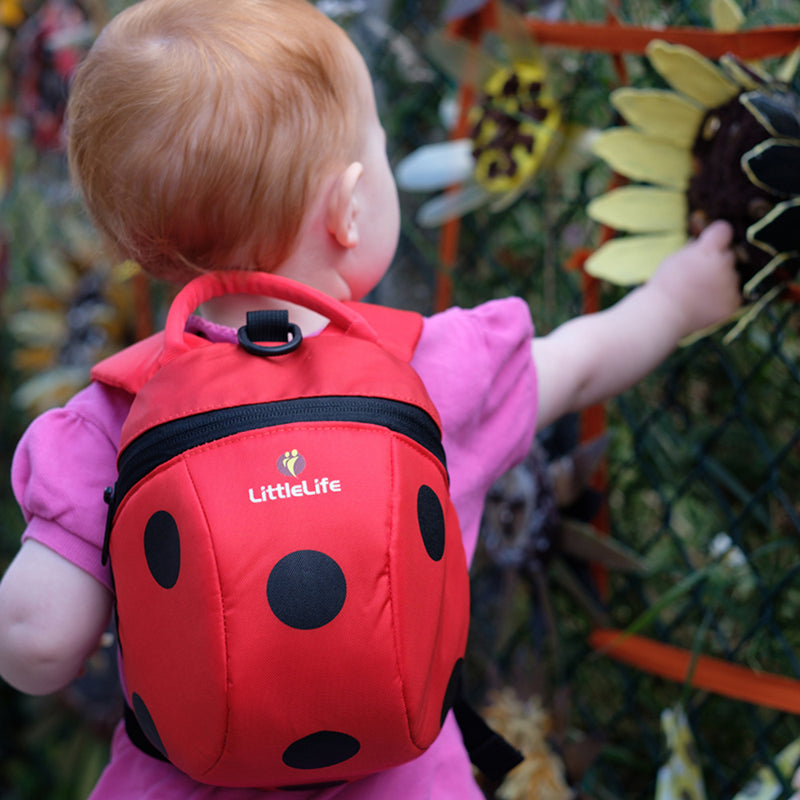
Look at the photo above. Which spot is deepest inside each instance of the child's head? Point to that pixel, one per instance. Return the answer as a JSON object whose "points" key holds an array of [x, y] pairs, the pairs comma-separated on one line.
{"points": [[199, 130]]}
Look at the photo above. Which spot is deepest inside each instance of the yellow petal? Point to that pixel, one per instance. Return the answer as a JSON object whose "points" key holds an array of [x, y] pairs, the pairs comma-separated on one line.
{"points": [[641, 158], [641, 209], [124, 270], [789, 67], [631, 260], [692, 74], [660, 113], [726, 16]]}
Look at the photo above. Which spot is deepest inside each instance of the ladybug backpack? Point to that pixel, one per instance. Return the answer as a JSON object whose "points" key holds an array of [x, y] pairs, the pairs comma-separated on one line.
{"points": [[292, 594]]}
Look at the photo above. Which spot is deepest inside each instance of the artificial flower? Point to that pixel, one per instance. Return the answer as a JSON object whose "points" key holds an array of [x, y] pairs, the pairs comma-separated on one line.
{"points": [[525, 534], [515, 125], [527, 726], [765, 784], [680, 777], [77, 312], [721, 142]]}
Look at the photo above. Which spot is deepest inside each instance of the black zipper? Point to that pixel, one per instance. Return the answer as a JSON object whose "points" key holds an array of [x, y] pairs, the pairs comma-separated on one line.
{"points": [[163, 442]]}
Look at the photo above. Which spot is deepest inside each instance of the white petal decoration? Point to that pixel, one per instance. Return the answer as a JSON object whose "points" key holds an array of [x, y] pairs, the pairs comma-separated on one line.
{"points": [[436, 166], [641, 209], [641, 158], [660, 113], [451, 205], [631, 260], [692, 74]]}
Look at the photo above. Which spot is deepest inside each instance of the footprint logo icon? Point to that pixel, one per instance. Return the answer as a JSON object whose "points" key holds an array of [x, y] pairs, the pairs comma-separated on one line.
{"points": [[291, 463]]}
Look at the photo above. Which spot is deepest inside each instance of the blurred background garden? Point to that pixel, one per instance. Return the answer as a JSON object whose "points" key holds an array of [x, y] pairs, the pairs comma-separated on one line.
{"points": [[671, 514]]}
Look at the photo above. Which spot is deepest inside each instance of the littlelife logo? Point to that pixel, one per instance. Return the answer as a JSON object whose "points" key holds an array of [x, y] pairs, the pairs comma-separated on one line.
{"points": [[291, 463]]}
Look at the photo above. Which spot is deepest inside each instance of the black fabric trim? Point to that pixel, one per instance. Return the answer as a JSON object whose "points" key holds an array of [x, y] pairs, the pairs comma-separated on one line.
{"points": [[488, 750], [137, 736]]}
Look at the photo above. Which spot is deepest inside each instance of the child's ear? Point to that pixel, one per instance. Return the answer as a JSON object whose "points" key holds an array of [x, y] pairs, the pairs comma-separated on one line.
{"points": [[342, 210]]}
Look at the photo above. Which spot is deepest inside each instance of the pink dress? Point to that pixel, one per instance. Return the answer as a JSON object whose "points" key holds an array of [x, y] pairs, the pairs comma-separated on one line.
{"points": [[478, 369]]}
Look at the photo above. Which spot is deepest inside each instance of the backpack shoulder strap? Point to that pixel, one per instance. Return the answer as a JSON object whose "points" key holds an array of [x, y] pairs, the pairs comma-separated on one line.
{"points": [[398, 330], [131, 368]]}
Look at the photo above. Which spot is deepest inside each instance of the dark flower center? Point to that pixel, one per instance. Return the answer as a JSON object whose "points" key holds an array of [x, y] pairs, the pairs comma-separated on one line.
{"points": [[720, 189]]}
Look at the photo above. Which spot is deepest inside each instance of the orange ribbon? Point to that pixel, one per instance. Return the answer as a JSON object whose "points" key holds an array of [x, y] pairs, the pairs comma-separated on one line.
{"points": [[773, 40], [701, 672]]}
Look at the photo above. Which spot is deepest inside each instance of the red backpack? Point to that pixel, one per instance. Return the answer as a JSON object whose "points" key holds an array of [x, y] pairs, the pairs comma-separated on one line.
{"points": [[291, 587]]}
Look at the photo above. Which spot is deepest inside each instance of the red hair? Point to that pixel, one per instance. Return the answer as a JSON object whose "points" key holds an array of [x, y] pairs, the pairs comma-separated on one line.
{"points": [[199, 129]]}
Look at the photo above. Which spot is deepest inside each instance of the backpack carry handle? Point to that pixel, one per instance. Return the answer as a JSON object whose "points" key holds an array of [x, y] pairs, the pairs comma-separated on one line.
{"points": [[216, 284]]}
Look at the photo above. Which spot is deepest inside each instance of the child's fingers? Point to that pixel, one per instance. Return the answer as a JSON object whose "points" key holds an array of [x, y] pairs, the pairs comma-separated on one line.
{"points": [[718, 234]]}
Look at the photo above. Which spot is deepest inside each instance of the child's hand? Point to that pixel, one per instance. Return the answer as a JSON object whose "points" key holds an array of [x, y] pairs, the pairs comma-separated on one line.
{"points": [[589, 359], [701, 280]]}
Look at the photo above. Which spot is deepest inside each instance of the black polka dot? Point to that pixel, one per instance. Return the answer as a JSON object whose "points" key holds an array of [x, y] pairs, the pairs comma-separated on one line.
{"points": [[306, 589], [431, 522], [146, 723], [453, 688], [162, 548], [320, 749]]}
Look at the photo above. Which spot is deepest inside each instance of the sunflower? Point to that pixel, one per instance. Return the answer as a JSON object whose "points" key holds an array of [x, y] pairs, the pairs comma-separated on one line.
{"points": [[515, 125], [723, 142]]}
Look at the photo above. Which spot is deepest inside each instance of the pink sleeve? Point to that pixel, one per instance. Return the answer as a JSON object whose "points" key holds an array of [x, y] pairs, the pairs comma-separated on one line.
{"points": [[478, 368], [61, 467]]}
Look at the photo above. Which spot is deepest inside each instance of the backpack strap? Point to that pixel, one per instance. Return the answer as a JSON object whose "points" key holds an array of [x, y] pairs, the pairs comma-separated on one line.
{"points": [[488, 751], [131, 368], [398, 330]]}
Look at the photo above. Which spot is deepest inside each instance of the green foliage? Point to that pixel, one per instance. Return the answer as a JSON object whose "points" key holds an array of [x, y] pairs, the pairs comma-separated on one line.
{"points": [[703, 457]]}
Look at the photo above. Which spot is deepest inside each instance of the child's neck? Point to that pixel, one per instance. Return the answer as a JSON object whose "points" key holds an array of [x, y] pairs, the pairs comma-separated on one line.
{"points": [[231, 311]]}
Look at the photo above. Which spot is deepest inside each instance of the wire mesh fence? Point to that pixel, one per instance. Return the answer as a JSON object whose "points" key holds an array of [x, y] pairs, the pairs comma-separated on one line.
{"points": [[700, 468]]}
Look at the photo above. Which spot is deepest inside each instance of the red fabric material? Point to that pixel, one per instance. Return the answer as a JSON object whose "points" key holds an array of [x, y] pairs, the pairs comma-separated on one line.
{"points": [[228, 684]]}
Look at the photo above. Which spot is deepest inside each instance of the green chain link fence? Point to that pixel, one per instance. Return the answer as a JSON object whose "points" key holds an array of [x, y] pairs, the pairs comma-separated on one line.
{"points": [[702, 455]]}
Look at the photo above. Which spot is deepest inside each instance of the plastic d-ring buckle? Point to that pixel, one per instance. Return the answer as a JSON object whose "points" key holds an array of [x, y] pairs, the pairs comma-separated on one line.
{"points": [[269, 326]]}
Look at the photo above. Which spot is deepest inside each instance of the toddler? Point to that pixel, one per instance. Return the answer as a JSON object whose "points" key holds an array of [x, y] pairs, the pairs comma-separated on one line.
{"points": [[221, 134]]}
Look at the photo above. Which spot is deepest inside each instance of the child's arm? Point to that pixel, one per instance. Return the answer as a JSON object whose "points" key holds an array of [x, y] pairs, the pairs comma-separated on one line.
{"points": [[52, 615], [592, 358]]}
